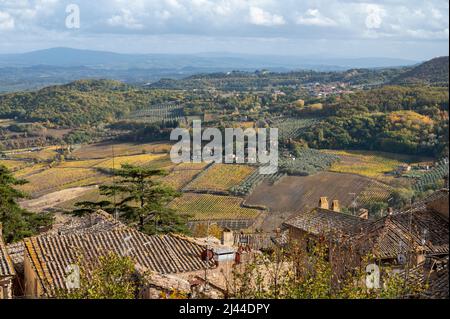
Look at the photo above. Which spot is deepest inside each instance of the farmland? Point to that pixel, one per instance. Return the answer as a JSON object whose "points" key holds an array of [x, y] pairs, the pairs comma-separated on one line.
{"points": [[307, 162], [106, 150], [54, 179], [297, 194], [370, 164], [159, 113], [432, 178], [292, 128], [212, 207], [220, 178]]}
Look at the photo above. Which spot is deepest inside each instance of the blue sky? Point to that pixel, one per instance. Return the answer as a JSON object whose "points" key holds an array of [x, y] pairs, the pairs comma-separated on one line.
{"points": [[412, 29]]}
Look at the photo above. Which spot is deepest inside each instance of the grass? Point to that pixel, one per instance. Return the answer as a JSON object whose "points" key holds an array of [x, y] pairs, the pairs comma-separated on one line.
{"points": [[212, 207], [221, 177]]}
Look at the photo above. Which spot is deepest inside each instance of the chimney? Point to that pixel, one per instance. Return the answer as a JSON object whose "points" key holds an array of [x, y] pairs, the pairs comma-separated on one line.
{"points": [[390, 211], [363, 213], [227, 237], [420, 255], [335, 206], [323, 203]]}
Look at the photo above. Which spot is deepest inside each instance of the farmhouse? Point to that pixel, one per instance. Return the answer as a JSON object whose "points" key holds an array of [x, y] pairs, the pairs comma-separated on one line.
{"points": [[7, 272]]}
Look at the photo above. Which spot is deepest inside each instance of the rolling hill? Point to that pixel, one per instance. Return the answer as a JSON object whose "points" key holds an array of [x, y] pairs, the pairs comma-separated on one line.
{"points": [[433, 72]]}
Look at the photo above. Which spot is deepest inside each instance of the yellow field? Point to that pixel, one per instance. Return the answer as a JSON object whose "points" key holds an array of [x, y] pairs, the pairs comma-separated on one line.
{"points": [[55, 179], [221, 177], [138, 160], [46, 154], [370, 164], [212, 207], [14, 165], [105, 150]]}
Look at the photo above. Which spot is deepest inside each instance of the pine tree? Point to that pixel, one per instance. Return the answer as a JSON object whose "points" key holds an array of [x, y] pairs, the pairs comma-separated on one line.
{"points": [[17, 222], [139, 200]]}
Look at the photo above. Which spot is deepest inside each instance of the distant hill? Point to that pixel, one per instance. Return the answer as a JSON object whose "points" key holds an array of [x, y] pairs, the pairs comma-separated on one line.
{"points": [[434, 71], [66, 57], [86, 102]]}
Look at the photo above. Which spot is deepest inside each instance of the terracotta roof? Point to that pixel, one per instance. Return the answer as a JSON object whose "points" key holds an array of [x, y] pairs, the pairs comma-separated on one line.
{"points": [[322, 221], [435, 280], [169, 254], [417, 228], [6, 266], [99, 221]]}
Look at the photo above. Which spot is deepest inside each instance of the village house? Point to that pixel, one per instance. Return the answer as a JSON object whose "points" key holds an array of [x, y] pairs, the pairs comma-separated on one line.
{"points": [[7, 273], [47, 257], [413, 242]]}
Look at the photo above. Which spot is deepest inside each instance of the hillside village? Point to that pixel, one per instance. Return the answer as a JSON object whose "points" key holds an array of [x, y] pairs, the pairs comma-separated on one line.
{"points": [[413, 241]]}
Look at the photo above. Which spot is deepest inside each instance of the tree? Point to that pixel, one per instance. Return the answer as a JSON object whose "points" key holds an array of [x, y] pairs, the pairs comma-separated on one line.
{"points": [[294, 272], [17, 222], [140, 200], [111, 277]]}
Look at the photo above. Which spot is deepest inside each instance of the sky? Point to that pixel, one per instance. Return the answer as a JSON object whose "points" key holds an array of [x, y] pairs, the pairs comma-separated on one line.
{"points": [[409, 29]]}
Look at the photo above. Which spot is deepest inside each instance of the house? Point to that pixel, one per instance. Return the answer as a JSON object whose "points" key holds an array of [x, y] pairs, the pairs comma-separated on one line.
{"points": [[48, 258], [323, 221], [414, 235], [403, 240], [7, 273], [99, 221]]}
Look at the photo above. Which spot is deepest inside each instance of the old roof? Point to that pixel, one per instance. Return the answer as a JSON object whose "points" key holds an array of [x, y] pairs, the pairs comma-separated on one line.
{"points": [[416, 228], [99, 221], [6, 266], [168, 254], [322, 221], [434, 279]]}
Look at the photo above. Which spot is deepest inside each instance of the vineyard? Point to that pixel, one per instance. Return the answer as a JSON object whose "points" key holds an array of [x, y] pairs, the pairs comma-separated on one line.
{"points": [[308, 162], [433, 177], [54, 179], [106, 150], [247, 186], [220, 178], [182, 175], [292, 128], [159, 113], [212, 207], [375, 192]]}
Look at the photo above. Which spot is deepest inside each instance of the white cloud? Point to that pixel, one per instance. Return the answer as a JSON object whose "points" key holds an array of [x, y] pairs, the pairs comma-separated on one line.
{"points": [[313, 17], [126, 20], [6, 21], [260, 17]]}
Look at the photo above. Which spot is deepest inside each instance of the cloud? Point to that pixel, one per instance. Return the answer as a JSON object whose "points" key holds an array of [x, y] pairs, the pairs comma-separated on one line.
{"points": [[6, 21], [258, 16], [313, 17], [271, 21], [125, 19]]}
